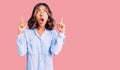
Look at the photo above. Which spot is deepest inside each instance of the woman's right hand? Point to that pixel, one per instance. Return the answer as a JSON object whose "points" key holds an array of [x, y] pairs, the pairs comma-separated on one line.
{"points": [[22, 26]]}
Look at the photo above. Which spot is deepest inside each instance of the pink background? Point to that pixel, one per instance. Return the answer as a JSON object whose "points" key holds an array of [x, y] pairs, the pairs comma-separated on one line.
{"points": [[92, 30]]}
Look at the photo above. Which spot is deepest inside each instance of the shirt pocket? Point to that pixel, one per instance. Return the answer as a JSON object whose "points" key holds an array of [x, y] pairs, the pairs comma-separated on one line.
{"points": [[32, 48], [46, 49]]}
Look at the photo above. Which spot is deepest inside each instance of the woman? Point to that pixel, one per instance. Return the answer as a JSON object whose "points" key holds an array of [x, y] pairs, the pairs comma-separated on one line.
{"points": [[38, 40]]}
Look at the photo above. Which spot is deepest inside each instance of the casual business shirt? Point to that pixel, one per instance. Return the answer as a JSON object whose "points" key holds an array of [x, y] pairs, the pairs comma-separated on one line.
{"points": [[39, 48]]}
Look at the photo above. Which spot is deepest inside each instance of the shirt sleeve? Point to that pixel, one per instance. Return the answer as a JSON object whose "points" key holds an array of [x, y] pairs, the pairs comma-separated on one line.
{"points": [[21, 44], [57, 42]]}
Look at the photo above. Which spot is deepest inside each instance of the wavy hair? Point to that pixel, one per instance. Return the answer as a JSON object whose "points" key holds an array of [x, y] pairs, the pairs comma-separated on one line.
{"points": [[32, 22]]}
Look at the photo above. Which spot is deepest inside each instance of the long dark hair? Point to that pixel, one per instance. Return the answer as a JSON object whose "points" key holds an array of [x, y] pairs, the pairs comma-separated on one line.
{"points": [[32, 22]]}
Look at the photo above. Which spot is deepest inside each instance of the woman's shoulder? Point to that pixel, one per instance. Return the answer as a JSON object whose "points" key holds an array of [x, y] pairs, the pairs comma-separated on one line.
{"points": [[27, 30], [52, 31]]}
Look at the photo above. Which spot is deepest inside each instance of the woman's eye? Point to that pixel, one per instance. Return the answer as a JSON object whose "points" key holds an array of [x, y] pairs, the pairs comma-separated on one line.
{"points": [[41, 11], [44, 11], [37, 11]]}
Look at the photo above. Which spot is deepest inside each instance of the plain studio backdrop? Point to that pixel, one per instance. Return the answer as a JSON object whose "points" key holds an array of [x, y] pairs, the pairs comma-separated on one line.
{"points": [[92, 33]]}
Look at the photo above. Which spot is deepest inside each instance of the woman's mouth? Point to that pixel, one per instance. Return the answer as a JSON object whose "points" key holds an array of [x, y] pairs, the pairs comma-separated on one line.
{"points": [[41, 20]]}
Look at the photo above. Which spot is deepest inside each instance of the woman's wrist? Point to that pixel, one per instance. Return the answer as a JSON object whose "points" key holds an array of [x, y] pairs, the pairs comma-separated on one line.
{"points": [[19, 33]]}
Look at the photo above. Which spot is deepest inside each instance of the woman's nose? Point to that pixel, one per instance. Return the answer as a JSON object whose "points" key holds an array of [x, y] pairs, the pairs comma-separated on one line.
{"points": [[41, 14]]}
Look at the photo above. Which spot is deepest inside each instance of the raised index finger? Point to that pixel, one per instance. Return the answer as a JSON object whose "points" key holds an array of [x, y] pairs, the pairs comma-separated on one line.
{"points": [[22, 20], [61, 21]]}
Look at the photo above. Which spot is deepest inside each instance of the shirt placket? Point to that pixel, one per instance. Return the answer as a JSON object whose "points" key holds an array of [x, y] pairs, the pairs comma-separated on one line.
{"points": [[40, 56]]}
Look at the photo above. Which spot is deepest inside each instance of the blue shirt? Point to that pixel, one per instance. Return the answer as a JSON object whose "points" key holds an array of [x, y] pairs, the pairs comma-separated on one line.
{"points": [[39, 49]]}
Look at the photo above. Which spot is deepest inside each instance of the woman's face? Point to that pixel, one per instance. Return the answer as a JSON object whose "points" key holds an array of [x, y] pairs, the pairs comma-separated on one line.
{"points": [[41, 14]]}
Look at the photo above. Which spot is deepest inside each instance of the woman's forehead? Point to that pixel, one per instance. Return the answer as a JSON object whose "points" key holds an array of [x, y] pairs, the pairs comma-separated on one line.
{"points": [[42, 7]]}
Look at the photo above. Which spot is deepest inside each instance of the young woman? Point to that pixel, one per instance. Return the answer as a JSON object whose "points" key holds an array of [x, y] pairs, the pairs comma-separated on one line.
{"points": [[38, 40]]}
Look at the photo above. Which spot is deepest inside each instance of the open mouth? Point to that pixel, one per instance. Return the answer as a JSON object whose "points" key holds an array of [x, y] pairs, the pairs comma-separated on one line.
{"points": [[41, 20]]}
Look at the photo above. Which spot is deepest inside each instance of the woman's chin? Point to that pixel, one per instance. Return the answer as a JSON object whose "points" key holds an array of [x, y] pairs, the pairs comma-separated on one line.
{"points": [[41, 24]]}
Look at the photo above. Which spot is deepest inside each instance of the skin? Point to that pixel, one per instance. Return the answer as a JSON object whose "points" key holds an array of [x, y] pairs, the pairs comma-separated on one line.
{"points": [[41, 13]]}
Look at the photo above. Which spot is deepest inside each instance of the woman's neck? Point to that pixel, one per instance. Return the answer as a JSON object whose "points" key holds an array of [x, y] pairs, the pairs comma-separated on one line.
{"points": [[40, 30]]}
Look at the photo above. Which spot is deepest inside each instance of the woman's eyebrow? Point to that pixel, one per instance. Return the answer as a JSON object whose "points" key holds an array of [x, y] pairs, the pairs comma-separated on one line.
{"points": [[37, 9]]}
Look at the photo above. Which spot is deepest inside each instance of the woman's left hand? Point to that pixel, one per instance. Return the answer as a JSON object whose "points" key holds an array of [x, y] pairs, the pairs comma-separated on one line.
{"points": [[61, 26]]}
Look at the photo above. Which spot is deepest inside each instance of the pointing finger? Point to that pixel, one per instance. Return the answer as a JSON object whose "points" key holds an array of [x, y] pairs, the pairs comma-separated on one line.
{"points": [[22, 19], [61, 21]]}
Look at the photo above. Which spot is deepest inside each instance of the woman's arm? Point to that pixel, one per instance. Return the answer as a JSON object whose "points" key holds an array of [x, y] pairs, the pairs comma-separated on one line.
{"points": [[57, 42], [21, 38]]}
